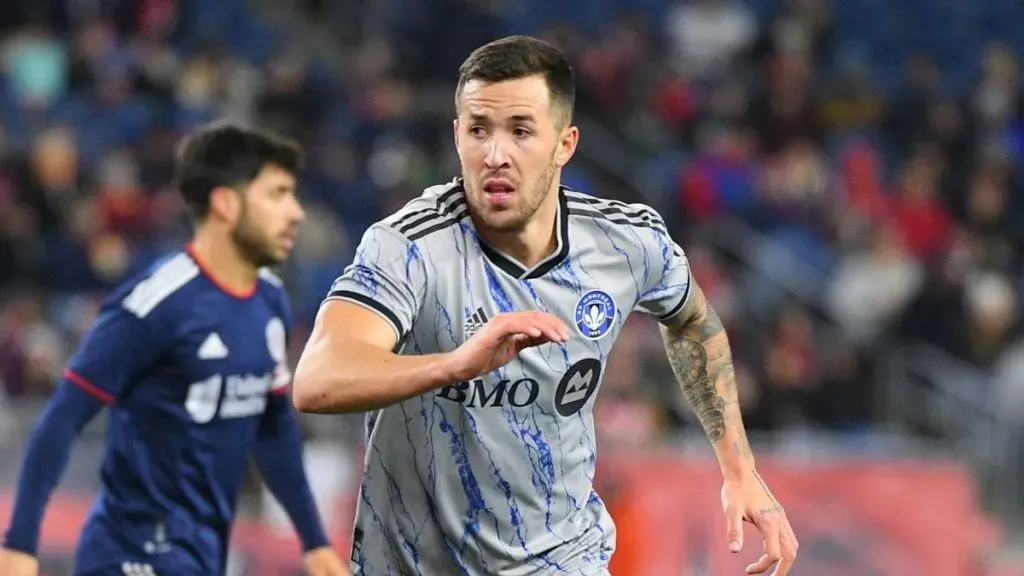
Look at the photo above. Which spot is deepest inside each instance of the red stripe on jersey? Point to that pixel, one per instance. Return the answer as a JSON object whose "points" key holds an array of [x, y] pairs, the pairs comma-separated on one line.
{"points": [[279, 391], [93, 390]]}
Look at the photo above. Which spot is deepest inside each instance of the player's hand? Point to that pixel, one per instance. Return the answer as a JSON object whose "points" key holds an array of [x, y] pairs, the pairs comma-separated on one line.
{"points": [[324, 561], [750, 500], [15, 563], [503, 338]]}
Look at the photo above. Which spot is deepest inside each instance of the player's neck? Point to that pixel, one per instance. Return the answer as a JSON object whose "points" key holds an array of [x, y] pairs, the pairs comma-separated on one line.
{"points": [[221, 261], [535, 242]]}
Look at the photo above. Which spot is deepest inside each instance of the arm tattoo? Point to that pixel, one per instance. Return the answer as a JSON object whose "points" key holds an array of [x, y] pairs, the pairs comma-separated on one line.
{"points": [[690, 362], [699, 355]]}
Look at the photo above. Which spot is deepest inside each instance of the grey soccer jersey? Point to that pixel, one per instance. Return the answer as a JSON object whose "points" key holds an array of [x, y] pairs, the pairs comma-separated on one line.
{"points": [[495, 476]]}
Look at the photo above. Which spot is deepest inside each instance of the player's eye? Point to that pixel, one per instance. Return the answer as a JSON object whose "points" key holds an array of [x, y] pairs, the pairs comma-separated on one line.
{"points": [[521, 132], [478, 131]]}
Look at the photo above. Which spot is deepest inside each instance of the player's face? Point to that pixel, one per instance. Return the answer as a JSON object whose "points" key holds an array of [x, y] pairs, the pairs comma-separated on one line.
{"points": [[269, 219], [512, 145]]}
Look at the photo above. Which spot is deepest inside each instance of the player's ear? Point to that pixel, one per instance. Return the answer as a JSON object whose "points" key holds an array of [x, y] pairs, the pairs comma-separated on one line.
{"points": [[225, 203], [569, 138], [455, 133]]}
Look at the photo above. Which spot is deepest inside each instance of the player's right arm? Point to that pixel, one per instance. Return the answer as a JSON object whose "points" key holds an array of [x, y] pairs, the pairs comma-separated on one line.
{"points": [[349, 363], [46, 456], [118, 345]]}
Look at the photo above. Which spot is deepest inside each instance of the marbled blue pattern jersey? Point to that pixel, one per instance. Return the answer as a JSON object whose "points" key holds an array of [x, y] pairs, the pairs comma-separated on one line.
{"points": [[495, 476]]}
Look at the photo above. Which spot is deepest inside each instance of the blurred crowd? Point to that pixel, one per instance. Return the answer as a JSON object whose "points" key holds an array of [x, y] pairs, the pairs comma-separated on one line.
{"points": [[842, 183]]}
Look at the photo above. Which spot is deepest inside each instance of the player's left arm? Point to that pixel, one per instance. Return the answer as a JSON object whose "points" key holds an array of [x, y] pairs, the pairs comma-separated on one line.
{"points": [[698, 350], [279, 456]]}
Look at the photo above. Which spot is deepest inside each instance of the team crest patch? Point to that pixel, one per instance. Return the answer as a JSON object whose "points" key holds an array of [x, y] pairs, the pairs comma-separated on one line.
{"points": [[277, 340], [595, 314], [277, 345]]}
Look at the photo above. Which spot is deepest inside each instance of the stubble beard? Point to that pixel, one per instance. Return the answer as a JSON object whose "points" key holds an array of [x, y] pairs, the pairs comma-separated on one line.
{"points": [[502, 221], [251, 245]]}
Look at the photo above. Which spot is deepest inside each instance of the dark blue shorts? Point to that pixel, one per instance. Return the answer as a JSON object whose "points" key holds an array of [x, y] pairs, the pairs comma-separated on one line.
{"points": [[123, 548]]}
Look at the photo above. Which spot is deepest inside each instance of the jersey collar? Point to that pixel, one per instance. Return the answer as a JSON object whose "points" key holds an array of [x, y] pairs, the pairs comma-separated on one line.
{"points": [[239, 294], [513, 268]]}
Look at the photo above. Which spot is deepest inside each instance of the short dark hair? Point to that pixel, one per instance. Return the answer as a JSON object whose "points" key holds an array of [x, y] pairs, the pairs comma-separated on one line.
{"points": [[515, 57], [227, 154]]}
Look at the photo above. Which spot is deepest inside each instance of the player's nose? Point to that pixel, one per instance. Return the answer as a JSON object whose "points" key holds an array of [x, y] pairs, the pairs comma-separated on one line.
{"points": [[497, 154], [298, 213]]}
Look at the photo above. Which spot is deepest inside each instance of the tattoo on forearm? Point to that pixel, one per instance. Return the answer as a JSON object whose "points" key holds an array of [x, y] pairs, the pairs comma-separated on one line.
{"points": [[699, 359], [691, 362]]}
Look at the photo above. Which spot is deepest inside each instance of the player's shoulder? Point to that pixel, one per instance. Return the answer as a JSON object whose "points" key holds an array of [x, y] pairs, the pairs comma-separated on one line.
{"points": [[273, 288], [588, 208], [270, 281], [439, 207], [163, 284]]}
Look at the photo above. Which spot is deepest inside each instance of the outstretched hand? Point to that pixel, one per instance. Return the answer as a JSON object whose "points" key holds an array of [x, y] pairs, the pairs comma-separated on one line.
{"points": [[503, 338], [750, 500]]}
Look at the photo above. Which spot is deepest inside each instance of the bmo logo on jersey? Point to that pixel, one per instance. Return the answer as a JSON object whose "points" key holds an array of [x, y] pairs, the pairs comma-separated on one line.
{"points": [[477, 393], [574, 389]]}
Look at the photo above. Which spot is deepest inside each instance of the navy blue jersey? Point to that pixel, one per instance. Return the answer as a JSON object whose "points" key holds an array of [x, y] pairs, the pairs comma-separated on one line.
{"points": [[195, 377], [187, 369]]}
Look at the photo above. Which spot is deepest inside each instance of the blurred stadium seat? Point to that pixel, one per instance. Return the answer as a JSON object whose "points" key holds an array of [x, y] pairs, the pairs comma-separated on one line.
{"points": [[845, 176]]}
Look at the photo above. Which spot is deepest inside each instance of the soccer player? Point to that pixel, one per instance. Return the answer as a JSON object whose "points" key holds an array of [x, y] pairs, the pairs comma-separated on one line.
{"points": [[474, 326], [190, 357]]}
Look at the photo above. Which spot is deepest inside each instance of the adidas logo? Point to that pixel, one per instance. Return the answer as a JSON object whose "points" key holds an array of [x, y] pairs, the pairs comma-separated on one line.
{"points": [[212, 348], [474, 323]]}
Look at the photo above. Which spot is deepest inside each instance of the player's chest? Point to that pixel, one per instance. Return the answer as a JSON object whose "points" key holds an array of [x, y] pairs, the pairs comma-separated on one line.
{"points": [[590, 303], [227, 365], [561, 378]]}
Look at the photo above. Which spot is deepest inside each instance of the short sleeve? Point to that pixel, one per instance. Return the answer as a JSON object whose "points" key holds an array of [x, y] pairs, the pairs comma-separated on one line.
{"points": [[119, 346], [387, 276], [667, 280]]}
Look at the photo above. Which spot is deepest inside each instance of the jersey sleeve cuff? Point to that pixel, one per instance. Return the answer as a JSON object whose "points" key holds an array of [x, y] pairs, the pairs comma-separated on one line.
{"points": [[373, 305], [678, 307], [21, 543]]}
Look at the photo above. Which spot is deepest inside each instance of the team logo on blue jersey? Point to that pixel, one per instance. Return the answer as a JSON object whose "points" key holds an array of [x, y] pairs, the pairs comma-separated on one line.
{"points": [[278, 348], [595, 314]]}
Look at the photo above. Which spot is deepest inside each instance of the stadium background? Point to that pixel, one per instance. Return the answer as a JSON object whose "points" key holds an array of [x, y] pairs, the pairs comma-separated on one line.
{"points": [[845, 176]]}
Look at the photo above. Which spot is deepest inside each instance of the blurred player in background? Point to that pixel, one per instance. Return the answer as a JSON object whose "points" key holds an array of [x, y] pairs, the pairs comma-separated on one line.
{"points": [[450, 328], [190, 357]]}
